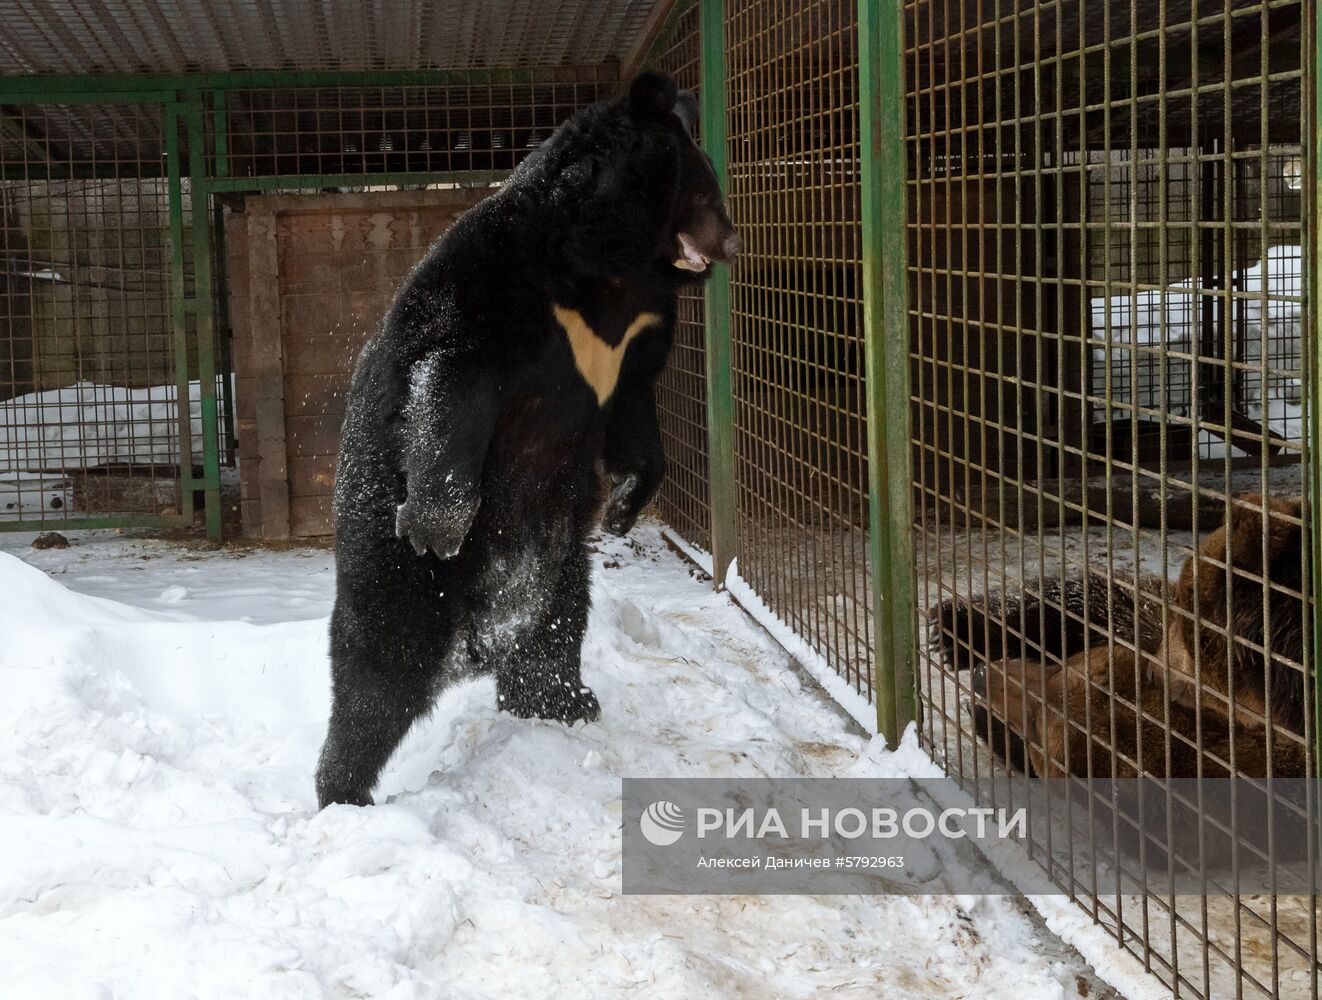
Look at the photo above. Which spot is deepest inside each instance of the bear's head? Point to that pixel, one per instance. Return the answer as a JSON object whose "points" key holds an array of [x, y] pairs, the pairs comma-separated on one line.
{"points": [[628, 191]]}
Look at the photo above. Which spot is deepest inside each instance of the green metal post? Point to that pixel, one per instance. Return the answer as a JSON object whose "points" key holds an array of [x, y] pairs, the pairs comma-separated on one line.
{"points": [[204, 313], [1313, 334], [720, 397], [95, 87], [886, 345], [220, 131], [179, 307]]}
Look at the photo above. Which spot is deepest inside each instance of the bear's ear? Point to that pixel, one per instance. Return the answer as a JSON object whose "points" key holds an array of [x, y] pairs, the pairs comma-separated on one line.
{"points": [[652, 94], [686, 110]]}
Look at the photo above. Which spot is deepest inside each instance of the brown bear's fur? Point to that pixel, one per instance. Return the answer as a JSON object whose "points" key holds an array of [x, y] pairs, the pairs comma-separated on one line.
{"points": [[1099, 710]]}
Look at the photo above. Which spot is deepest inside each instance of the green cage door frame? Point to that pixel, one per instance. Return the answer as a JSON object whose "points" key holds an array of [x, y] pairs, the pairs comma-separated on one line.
{"points": [[38, 91]]}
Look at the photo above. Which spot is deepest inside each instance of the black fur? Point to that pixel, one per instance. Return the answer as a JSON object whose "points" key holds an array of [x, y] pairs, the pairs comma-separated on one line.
{"points": [[467, 481]]}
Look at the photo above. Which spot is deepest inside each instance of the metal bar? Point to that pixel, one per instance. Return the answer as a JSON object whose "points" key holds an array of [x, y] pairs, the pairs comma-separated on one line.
{"points": [[720, 397], [84, 93], [220, 132], [179, 308], [224, 334], [204, 312], [1312, 329], [282, 182], [656, 29], [33, 149], [103, 88], [670, 33], [883, 170], [105, 521]]}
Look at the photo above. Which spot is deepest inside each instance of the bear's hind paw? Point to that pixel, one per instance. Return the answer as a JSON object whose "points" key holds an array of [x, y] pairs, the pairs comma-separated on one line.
{"points": [[556, 702]]}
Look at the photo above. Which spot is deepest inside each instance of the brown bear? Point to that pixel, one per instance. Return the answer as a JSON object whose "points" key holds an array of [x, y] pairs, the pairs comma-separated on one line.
{"points": [[1053, 697]]}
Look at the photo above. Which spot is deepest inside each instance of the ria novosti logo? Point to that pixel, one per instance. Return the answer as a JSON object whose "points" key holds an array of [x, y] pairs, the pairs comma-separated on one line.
{"points": [[662, 823]]}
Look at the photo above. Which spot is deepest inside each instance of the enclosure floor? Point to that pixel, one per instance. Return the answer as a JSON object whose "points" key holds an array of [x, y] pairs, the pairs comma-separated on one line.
{"points": [[970, 562], [162, 717]]}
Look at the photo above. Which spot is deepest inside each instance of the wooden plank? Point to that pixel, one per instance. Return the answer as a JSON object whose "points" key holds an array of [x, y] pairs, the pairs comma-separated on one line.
{"points": [[312, 276], [312, 435], [311, 476], [316, 395], [310, 517], [268, 372]]}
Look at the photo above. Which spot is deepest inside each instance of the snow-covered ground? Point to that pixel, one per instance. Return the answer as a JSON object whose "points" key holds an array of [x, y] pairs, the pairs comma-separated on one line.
{"points": [[162, 709]]}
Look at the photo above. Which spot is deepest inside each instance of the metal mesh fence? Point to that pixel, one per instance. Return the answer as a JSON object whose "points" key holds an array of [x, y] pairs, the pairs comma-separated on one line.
{"points": [[685, 499], [95, 395], [1107, 307], [486, 123], [796, 323], [108, 326]]}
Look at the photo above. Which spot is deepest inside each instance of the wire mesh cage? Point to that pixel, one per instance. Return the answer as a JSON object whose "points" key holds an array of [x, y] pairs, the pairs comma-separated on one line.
{"points": [[684, 501], [796, 324], [115, 317], [99, 403], [482, 123], [1107, 298]]}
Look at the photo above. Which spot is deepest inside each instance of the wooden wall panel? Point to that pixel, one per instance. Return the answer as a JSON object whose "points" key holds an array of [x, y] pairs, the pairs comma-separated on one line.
{"points": [[310, 278]]}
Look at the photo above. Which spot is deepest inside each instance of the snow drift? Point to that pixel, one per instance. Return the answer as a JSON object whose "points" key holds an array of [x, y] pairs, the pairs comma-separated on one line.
{"points": [[159, 836]]}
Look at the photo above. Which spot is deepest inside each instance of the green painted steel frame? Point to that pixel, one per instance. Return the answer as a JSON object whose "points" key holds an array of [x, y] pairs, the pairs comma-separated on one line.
{"points": [[720, 395], [184, 100], [109, 86], [886, 346], [204, 311], [1313, 326]]}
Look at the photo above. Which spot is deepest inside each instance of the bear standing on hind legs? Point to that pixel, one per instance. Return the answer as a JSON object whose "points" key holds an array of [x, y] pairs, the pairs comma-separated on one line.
{"points": [[520, 354]]}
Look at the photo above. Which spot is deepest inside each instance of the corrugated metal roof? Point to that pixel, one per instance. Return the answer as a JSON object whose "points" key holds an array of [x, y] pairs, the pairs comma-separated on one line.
{"points": [[185, 36]]}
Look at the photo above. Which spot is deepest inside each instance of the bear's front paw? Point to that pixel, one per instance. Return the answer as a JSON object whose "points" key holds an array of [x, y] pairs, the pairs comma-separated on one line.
{"points": [[442, 530], [623, 505]]}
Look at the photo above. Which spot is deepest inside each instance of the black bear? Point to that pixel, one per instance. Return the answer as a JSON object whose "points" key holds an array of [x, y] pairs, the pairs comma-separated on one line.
{"points": [[517, 362]]}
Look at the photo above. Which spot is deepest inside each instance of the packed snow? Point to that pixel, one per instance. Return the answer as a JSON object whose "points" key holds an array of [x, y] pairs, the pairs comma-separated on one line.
{"points": [[161, 717]]}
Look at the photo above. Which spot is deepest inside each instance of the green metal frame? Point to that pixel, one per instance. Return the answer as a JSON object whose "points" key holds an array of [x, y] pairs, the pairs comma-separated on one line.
{"points": [[720, 396], [179, 307], [97, 88], [1313, 325], [184, 101], [886, 345], [202, 307]]}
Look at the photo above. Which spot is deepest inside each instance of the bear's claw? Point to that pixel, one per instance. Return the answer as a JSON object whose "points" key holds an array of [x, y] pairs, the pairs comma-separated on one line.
{"points": [[442, 536]]}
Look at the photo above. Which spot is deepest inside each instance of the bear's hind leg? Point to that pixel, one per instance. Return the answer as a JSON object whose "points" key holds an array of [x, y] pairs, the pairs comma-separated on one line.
{"points": [[541, 677], [381, 685]]}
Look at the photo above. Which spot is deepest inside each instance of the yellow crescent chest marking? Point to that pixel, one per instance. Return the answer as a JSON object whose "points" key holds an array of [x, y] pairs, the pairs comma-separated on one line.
{"points": [[596, 360]]}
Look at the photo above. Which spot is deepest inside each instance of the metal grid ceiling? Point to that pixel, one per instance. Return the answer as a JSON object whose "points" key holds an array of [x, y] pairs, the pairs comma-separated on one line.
{"points": [[685, 497], [800, 437], [190, 36]]}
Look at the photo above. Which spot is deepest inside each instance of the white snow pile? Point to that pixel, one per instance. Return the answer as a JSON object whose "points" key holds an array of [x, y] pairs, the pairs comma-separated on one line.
{"points": [[87, 424], [160, 837]]}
